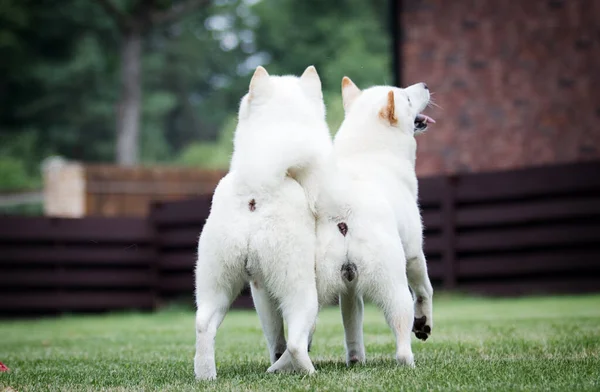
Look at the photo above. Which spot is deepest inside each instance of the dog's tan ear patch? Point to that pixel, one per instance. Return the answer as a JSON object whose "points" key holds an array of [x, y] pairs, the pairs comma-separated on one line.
{"points": [[388, 112], [349, 92], [346, 82], [259, 82]]}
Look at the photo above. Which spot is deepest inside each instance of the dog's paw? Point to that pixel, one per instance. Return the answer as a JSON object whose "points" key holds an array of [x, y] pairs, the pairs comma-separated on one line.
{"points": [[355, 357], [205, 376], [281, 369], [354, 360], [406, 359], [283, 364], [272, 369], [421, 328], [204, 369]]}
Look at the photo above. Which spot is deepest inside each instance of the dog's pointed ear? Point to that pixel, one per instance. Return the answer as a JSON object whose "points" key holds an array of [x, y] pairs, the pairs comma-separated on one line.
{"points": [[349, 92], [311, 82], [388, 112], [259, 83]]}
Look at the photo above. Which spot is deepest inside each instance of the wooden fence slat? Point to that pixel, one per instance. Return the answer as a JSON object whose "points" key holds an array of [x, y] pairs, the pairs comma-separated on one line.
{"points": [[185, 212], [528, 237], [430, 191], [73, 301], [432, 220], [435, 270], [541, 262], [448, 243], [533, 182], [434, 244], [171, 261], [527, 212], [91, 278], [181, 283], [92, 254], [88, 230], [180, 238], [548, 285]]}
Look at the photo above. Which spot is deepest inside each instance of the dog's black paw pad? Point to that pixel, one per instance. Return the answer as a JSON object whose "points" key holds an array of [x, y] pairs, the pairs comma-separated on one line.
{"points": [[420, 328], [421, 335]]}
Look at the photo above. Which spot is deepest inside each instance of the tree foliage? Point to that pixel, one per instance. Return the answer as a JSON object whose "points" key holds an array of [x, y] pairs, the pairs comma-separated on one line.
{"points": [[59, 77]]}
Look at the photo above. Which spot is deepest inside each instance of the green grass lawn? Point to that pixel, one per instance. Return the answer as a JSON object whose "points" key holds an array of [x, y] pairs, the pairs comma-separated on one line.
{"points": [[477, 344]]}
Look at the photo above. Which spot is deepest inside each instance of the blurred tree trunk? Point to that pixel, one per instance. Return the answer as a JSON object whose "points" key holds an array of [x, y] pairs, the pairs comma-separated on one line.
{"points": [[128, 111], [133, 26]]}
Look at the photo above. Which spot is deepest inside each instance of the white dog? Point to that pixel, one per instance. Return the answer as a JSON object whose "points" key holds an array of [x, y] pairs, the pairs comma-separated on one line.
{"points": [[261, 228], [371, 200]]}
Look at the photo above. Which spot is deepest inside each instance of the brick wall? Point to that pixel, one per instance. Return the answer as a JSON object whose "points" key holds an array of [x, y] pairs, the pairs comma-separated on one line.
{"points": [[518, 81]]}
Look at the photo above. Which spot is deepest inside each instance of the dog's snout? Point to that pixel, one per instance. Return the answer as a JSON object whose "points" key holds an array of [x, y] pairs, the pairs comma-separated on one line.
{"points": [[425, 85]]}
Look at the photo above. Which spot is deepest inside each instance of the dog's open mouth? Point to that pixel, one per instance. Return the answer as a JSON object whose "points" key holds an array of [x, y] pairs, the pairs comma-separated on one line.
{"points": [[422, 121]]}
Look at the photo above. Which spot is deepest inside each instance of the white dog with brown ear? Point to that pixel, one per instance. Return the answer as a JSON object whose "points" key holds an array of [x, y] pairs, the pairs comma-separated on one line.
{"points": [[369, 234], [261, 228], [379, 143]]}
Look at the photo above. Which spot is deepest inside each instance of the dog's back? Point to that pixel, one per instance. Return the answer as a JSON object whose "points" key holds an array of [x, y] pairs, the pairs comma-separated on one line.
{"points": [[281, 132]]}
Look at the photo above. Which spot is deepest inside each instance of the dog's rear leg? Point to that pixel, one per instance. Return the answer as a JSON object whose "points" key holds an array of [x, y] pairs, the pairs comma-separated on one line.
{"points": [[213, 301], [300, 309], [271, 321], [418, 279], [352, 306], [392, 295], [398, 308]]}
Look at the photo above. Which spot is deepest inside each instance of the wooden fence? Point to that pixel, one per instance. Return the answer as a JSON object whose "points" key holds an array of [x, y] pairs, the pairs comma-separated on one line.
{"points": [[534, 230], [508, 233], [52, 265], [178, 225], [74, 190]]}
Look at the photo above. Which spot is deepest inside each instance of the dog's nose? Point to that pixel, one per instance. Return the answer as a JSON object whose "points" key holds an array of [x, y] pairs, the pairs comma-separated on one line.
{"points": [[425, 85]]}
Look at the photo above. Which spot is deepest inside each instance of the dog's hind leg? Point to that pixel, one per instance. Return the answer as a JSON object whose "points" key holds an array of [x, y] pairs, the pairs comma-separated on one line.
{"points": [[271, 321], [209, 316], [352, 306], [396, 303], [418, 279], [216, 288], [389, 290], [300, 309]]}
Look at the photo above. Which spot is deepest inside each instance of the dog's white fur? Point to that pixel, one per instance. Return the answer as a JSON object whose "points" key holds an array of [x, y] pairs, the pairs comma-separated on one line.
{"points": [[374, 192], [261, 228], [376, 149]]}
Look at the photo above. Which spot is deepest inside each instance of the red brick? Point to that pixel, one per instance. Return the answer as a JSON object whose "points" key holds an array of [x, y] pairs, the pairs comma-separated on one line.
{"points": [[519, 82]]}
